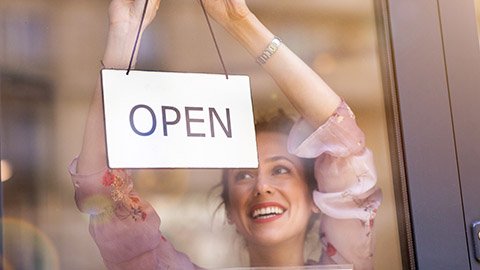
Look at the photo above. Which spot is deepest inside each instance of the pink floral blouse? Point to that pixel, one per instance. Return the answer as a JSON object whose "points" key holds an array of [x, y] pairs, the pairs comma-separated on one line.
{"points": [[126, 228]]}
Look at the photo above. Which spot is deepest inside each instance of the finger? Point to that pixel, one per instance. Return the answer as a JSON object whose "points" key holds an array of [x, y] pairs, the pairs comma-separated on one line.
{"points": [[146, 9]]}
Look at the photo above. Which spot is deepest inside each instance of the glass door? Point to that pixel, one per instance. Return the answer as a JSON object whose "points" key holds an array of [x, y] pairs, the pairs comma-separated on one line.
{"points": [[363, 49]]}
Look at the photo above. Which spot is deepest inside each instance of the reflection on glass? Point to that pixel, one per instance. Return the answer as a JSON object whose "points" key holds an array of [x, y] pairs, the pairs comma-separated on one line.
{"points": [[336, 38], [477, 12], [6, 170], [317, 267]]}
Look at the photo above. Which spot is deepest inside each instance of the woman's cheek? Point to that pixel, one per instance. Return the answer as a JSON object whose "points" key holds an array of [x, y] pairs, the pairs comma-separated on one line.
{"points": [[238, 195]]}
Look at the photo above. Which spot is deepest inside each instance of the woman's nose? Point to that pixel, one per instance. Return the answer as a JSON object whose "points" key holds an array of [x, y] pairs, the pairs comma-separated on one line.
{"points": [[263, 186]]}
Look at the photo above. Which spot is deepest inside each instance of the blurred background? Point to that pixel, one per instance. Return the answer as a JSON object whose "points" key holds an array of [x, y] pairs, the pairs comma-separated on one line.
{"points": [[50, 52]]}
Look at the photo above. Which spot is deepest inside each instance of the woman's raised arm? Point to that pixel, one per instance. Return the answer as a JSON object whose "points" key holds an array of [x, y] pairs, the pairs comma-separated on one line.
{"points": [[125, 17], [344, 167], [308, 93]]}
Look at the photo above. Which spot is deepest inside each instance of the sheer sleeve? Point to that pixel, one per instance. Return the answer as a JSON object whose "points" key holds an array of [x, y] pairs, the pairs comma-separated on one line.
{"points": [[347, 192], [124, 227]]}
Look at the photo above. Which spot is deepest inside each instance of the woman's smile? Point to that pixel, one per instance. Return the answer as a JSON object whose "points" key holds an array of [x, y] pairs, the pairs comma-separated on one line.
{"points": [[267, 212]]}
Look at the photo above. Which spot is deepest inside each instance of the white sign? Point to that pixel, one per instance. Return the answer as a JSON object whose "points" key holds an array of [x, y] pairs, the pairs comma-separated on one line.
{"points": [[178, 120]]}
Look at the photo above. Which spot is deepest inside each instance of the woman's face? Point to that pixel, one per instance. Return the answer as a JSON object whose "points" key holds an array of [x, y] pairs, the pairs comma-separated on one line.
{"points": [[270, 204]]}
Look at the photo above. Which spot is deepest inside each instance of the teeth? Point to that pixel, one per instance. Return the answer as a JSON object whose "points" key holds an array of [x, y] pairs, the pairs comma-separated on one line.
{"points": [[267, 212]]}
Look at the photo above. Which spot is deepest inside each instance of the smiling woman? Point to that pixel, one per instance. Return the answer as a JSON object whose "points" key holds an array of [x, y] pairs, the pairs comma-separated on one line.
{"points": [[272, 206], [43, 58]]}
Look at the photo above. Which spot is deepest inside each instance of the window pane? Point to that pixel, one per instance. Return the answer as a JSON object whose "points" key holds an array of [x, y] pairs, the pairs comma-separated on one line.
{"points": [[51, 54]]}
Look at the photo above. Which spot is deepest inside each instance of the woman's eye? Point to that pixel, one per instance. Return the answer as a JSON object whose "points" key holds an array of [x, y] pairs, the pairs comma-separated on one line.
{"points": [[280, 170], [244, 176]]}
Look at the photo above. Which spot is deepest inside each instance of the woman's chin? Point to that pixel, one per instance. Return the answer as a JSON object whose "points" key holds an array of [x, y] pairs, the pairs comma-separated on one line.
{"points": [[266, 235]]}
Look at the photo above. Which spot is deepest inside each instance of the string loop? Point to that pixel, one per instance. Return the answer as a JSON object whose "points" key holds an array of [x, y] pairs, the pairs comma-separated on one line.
{"points": [[209, 27], [214, 40]]}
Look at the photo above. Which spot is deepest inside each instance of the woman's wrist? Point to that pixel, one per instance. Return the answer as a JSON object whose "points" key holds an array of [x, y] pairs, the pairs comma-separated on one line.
{"points": [[120, 43], [251, 34]]}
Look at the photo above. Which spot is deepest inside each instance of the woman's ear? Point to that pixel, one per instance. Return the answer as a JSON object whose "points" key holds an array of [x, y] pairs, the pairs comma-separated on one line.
{"points": [[315, 208]]}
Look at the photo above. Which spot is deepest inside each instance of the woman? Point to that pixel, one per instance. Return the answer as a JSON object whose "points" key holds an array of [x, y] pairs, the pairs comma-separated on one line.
{"points": [[270, 206]]}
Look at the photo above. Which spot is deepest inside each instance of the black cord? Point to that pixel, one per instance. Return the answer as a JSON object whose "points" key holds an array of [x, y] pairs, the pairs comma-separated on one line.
{"points": [[214, 40], [209, 27], [138, 37]]}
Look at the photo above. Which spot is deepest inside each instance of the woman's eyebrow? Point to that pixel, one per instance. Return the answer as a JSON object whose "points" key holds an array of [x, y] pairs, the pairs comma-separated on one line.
{"points": [[277, 158]]}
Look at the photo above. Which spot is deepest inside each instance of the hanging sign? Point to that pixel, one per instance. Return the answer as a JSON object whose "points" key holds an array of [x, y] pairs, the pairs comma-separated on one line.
{"points": [[178, 120]]}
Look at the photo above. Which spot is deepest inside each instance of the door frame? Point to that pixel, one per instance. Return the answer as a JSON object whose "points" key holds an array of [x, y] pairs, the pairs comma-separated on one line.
{"points": [[435, 63]]}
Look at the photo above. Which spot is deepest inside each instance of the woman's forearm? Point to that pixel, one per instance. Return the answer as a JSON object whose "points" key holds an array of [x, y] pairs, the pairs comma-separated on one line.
{"points": [[304, 88], [117, 55], [125, 17]]}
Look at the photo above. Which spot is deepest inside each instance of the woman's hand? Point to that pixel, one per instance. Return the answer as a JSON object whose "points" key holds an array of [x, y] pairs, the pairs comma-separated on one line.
{"points": [[127, 14], [125, 17], [225, 12]]}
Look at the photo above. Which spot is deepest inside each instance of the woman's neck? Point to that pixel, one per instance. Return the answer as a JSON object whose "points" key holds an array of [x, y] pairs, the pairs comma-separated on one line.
{"points": [[289, 253]]}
